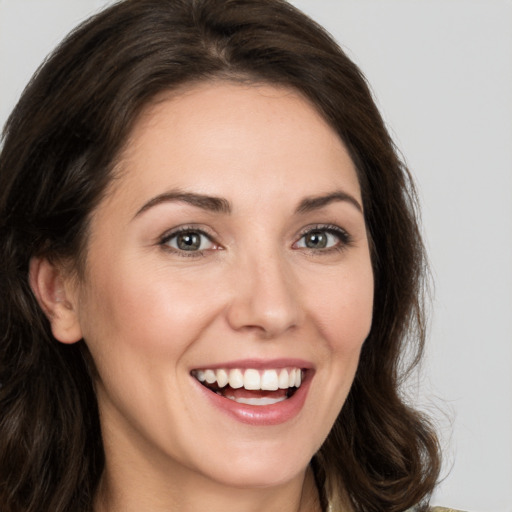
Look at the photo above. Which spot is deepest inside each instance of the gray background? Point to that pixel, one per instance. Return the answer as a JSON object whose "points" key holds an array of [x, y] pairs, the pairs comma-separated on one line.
{"points": [[441, 71]]}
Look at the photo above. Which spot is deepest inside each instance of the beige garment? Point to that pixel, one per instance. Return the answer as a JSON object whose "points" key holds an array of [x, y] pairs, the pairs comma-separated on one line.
{"points": [[442, 509], [437, 509]]}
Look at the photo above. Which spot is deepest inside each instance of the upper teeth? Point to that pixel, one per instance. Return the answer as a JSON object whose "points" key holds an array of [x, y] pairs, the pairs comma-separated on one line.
{"points": [[268, 380]]}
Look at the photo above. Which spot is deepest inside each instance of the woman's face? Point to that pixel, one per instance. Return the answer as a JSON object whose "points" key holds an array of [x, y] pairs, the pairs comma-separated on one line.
{"points": [[231, 249]]}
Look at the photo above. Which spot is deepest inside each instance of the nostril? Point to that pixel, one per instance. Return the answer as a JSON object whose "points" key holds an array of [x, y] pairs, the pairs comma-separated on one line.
{"points": [[261, 319], [264, 296]]}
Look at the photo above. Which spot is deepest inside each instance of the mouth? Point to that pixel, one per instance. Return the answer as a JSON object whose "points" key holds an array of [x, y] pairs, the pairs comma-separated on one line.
{"points": [[257, 387]]}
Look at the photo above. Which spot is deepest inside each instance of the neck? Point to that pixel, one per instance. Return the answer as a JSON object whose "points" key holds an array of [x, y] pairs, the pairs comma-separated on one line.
{"points": [[192, 495]]}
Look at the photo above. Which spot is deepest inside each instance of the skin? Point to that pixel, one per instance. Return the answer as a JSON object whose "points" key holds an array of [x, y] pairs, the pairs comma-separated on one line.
{"points": [[151, 313]]}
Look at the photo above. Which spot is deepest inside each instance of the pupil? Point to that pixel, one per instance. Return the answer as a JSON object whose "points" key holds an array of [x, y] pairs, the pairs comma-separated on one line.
{"points": [[189, 241], [316, 240]]}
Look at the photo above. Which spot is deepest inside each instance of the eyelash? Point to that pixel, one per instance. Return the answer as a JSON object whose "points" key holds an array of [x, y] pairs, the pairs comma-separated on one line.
{"points": [[164, 241], [344, 239]]}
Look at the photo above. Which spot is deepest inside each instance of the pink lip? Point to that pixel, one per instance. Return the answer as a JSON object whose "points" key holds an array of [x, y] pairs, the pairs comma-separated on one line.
{"points": [[261, 415], [259, 364]]}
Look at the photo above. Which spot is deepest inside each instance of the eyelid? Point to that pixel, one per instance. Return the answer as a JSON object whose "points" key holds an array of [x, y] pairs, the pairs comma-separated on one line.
{"points": [[170, 234], [345, 239]]}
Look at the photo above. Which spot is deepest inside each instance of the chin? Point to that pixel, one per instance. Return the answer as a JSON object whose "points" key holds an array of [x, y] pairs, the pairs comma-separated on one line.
{"points": [[253, 470], [257, 479]]}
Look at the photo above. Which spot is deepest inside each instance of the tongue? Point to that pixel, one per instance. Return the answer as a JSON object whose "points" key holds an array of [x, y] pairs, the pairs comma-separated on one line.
{"points": [[246, 393]]}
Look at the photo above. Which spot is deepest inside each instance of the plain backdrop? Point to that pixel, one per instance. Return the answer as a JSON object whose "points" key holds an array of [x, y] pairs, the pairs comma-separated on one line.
{"points": [[441, 71]]}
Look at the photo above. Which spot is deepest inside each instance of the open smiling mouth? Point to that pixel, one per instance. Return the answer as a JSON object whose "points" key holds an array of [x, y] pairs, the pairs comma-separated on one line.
{"points": [[251, 386]]}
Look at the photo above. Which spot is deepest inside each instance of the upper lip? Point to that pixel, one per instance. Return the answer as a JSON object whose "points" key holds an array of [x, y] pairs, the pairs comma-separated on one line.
{"points": [[258, 364]]}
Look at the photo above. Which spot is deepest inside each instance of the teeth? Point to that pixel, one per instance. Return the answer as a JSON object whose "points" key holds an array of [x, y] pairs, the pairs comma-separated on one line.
{"points": [[222, 378], [298, 378], [284, 379], [210, 376], [295, 377], [269, 380], [251, 379], [291, 378], [236, 379], [257, 401]]}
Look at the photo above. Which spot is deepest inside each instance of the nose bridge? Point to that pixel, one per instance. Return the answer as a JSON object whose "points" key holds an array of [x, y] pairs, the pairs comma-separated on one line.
{"points": [[264, 294]]}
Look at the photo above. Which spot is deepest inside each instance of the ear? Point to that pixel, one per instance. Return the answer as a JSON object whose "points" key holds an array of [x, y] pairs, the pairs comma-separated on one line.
{"points": [[56, 293]]}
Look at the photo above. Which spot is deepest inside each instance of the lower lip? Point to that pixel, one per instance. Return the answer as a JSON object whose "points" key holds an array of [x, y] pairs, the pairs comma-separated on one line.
{"points": [[261, 415]]}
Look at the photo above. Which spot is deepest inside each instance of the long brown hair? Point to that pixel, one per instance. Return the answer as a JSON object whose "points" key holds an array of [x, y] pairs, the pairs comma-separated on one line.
{"points": [[59, 149]]}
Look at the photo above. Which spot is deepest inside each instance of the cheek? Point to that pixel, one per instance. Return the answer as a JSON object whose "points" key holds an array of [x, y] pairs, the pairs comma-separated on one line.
{"points": [[343, 315], [142, 312], [344, 310]]}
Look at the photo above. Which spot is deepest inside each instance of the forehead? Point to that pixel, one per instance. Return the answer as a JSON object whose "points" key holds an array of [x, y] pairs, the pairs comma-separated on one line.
{"points": [[230, 139]]}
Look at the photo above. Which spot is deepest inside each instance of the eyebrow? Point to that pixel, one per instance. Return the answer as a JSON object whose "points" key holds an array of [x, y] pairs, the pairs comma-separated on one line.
{"points": [[209, 203], [309, 204], [221, 205]]}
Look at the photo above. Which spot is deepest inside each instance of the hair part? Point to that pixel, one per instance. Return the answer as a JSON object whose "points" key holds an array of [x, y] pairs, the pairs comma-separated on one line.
{"points": [[61, 146]]}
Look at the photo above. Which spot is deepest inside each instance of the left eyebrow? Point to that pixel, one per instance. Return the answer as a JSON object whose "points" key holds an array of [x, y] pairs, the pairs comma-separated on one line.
{"points": [[309, 204], [209, 203]]}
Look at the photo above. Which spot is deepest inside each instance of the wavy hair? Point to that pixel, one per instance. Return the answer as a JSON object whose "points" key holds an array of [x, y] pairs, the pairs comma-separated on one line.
{"points": [[60, 146]]}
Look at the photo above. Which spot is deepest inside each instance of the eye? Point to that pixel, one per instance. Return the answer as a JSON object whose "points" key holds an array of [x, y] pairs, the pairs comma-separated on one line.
{"points": [[323, 238], [188, 240]]}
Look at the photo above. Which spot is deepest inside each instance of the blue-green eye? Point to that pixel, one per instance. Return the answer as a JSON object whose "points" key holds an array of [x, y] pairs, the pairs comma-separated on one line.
{"points": [[323, 238], [189, 240]]}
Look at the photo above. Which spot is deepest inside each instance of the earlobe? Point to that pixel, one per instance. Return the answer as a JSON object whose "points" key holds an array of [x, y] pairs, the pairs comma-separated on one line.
{"points": [[53, 290]]}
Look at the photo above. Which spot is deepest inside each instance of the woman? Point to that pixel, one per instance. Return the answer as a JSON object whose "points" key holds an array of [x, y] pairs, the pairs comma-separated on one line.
{"points": [[211, 272]]}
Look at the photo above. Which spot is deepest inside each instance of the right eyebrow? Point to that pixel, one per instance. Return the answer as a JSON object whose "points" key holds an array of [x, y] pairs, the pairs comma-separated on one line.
{"points": [[205, 202], [316, 202]]}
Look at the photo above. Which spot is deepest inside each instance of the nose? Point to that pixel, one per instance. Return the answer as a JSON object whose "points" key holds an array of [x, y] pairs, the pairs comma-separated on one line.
{"points": [[265, 298]]}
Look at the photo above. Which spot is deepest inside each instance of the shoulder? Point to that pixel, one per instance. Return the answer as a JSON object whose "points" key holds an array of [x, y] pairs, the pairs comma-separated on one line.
{"points": [[437, 509], [443, 509]]}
